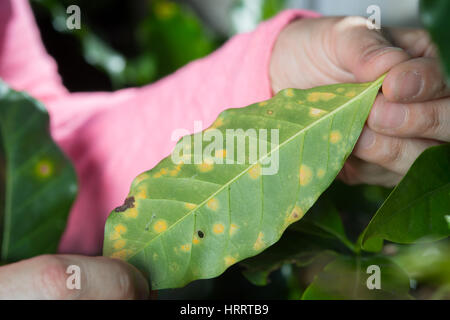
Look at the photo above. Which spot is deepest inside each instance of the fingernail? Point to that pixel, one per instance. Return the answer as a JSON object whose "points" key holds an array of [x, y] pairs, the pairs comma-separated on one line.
{"points": [[409, 85], [367, 139], [389, 116]]}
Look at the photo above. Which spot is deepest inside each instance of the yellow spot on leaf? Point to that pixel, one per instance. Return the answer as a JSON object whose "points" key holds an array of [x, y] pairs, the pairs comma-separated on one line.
{"points": [[131, 213], [165, 10], [119, 244], [335, 136], [160, 226], [350, 94], [175, 170], [259, 243], [313, 96], [206, 165], [120, 229], [296, 214], [314, 112], [221, 153], [233, 229], [44, 169], [218, 123], [141, 194], [213, 204], [340, 90], [121, 254], [161, 172], [195, 240], [255, 171], [229, 260], [190, 206], [218, 228], [305, 175], [326, 96], [323, 96], [320, 173], [289, 92], [262, 104], [185, 247], [141, 177]]}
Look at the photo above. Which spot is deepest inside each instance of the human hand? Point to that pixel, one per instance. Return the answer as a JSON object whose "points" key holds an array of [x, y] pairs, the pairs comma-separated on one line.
{"points": [[411, 114], [45, 277]]}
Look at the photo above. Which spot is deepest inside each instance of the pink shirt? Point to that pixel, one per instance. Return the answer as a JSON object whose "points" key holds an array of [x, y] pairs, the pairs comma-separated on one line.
{"points": [[111, 137]]}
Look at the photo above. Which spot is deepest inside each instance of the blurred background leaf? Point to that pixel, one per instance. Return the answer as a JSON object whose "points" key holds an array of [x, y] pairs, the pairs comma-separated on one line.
{"points": [[346, 278], [434, 14], [132, 43], [37, 182]]}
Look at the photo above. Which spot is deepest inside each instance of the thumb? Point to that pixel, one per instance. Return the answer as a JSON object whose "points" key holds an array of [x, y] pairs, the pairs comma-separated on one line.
{"points": [[46, 277], [363, 52]]}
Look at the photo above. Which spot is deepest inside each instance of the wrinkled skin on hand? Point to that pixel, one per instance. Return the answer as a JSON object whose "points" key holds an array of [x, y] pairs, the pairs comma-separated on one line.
{"points": [[411, 114]]}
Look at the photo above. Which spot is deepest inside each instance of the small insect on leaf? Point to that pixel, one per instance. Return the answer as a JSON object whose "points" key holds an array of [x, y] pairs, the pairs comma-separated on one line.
{"points": [[212, 214]]}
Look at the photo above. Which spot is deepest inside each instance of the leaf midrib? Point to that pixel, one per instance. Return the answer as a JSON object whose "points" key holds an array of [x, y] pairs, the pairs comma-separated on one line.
{"points": [[326, 116]]}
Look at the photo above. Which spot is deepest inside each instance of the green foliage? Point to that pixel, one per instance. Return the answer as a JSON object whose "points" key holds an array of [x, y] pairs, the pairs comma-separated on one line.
{"points": [[183, 222], [418, 208], [173, 35], [167, 36], [300, 249], [347, 277], [434, 14], [38, 184]]}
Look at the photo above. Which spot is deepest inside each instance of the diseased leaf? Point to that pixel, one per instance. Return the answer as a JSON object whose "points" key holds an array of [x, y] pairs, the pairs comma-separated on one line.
{"points": [[347, 278], [417, 209], [38, 184], [184, 221]]}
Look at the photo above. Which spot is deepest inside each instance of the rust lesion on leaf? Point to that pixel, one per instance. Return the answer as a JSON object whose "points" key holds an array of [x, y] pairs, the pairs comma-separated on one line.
{"points": [[129, 203]]}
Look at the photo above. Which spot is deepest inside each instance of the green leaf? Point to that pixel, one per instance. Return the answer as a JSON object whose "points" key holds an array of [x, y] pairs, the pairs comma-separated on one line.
{"points": [[293, 248], [319, 233], [347, 278], [183, 222], [434, 14], [38, 184], [417, 208], [324, 221], [425, 262]]}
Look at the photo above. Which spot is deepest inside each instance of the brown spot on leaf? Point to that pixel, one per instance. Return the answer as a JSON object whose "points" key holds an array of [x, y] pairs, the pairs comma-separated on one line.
{"points": [[129, 203]]}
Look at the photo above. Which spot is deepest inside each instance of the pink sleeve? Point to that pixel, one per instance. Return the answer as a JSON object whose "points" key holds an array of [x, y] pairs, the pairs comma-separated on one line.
{"points": [[112, 137]]}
